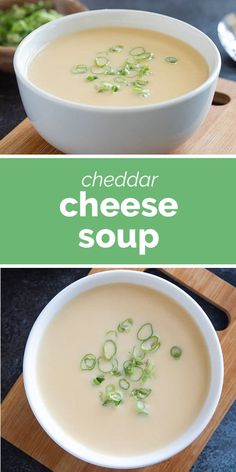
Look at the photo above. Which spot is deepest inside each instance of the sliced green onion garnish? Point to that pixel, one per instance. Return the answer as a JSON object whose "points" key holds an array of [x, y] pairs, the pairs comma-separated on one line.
{"points": [[146, 56], [171, 59], [124, 384], [115, 363], [99, 379], [104, 87], [143, 71], [88, 362], [151, 344], [98, 70], [137, 374], [147, 371], [132, 370], [115, 88], [145, 332], [125, 326], [133, 67], [128, 367], [131, 63], [109, 349], [132, 74], [101, 61], [176, 352], [116, 48], [140, 393], [142, 92], [115, 369], [123, 70], [91, 77], [138, 354], [121, 80], [140, 83], [141, 407], [79, 69], [110, 71], [137, 51], [111, 396], [105, 366]]}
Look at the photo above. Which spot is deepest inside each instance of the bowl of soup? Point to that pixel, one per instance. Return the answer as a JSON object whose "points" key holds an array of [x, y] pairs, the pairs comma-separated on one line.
{"points": [[123, 369], [117, 81]]}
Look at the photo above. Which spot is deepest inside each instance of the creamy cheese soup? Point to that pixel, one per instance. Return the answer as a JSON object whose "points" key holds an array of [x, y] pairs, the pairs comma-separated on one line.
{"points": [[118, 67], [165, 393]]}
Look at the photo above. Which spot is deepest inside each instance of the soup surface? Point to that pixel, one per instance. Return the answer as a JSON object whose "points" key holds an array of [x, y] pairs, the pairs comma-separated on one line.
{"points": [[118, 67], [178, 385]]}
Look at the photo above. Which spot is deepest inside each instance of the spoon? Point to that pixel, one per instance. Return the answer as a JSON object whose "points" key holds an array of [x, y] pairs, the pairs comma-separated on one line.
{"points": [[227, 34]]}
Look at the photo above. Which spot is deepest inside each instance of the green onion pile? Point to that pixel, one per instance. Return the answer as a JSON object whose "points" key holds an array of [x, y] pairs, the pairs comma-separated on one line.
{"points": [[18, 21], [132, 73], [137, 368]]}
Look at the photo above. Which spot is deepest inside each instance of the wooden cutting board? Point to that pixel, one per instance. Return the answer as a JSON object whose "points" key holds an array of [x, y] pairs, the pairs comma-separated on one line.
{"points": [[20, 427], [216, 136]]}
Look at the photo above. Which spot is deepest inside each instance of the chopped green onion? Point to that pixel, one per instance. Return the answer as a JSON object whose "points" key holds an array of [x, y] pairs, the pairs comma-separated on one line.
{"points": [[101, 61], [98, 380], [88, 362], [121, 80], [79, 69], [141, 407], [109, 349], [128, 367], [145, 332], [110, 388], [105, 366], [146, 56], [151, 344], [142, 92], [104, 87], [123, 70], [132, 74], [143, 71], [131, 63], [110, 71], [98, 70], [125, 326], [137, 374], [140, 393], [115, 88], [171, 59], [91, 78], [140, 83], [117, 48], [111, 396], [18, 21], [138, 355], [137, 51], [124, 384], [132, 371], [176, 352], [115, 368], [147, 371]]}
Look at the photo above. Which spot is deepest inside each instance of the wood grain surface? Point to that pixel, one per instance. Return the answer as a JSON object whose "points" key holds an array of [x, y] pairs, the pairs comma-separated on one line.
{"points": [[20, 427], [216, 135]]}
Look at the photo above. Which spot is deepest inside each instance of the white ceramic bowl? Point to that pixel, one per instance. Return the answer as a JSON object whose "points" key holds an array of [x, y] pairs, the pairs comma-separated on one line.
{"points": [[53, 428], [78, 128]]}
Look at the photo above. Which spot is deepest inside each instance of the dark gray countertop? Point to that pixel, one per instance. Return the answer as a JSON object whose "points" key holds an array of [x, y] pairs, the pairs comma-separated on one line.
{"points": [[24, 294], [204, 14]]}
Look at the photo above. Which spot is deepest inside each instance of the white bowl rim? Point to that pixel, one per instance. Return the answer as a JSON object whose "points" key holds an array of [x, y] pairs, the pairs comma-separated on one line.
{"points": [[112, 109], [163, 453]]}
